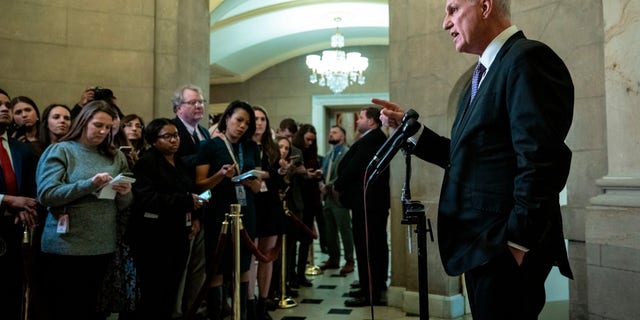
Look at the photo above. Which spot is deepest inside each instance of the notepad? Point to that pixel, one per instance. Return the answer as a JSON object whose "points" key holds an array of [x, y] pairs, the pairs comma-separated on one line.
{"points": [[107, 191]]}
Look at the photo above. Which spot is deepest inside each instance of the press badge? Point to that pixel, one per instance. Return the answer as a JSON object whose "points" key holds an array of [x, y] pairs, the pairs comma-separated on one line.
{"points": [[188, 219], [63, 223], [241, 195]]}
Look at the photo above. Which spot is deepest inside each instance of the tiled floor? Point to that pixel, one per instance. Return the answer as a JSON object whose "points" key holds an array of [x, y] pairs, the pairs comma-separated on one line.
{"points": [[325, 300]]}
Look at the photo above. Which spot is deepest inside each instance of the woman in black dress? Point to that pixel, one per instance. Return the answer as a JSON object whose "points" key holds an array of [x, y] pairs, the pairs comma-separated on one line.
{"points": [[219, 159]]}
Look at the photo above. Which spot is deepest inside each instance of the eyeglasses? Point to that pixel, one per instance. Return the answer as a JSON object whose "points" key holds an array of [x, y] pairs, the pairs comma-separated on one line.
{"points": [[137, 125], [195, 102], [168, 136]]}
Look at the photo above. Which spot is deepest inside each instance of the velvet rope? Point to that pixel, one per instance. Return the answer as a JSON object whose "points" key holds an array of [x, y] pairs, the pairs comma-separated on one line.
{"points": [[213, 269], [262, 257], [302, 226]]}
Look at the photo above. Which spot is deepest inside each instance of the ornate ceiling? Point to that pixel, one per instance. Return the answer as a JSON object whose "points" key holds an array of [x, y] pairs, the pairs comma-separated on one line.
{"points": [[249, 36]]}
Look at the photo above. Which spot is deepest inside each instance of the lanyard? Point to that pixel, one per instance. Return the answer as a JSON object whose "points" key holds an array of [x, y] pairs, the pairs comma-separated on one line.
{"points": [[239, 165]]}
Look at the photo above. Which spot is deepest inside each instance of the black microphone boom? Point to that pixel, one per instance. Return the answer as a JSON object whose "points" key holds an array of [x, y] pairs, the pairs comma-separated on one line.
{"points": [[393, 145]]}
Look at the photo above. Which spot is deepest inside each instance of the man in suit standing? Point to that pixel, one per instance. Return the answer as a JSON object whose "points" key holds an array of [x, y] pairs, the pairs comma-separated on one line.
{"points": [[369, 218], [17, 211], [499, 217], [337, 218], [188, 105]]}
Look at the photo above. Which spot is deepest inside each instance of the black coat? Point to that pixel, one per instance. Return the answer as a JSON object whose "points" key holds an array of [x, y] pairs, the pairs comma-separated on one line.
{"points": [[351, 174], [506, 162]]}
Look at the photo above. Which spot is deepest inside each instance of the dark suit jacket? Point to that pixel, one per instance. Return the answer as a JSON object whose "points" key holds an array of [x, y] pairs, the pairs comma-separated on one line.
{"points": [[351, 172], [188, 148], [24, 167], [11, 268], [506, 161]]}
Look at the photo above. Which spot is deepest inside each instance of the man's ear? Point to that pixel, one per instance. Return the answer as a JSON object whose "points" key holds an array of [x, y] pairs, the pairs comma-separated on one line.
{"points": [[487, 6]]}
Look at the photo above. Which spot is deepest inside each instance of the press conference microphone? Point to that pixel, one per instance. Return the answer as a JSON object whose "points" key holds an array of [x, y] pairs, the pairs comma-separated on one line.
{"points": [[410, 127], [410, 114]]}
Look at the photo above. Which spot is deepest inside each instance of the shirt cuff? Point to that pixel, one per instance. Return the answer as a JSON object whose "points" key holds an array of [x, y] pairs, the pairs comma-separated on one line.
{"points": [[414, 138], [517, 246]]}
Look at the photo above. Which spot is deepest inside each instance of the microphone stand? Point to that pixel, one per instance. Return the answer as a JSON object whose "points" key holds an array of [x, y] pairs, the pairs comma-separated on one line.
{"points": [[413, 213]]}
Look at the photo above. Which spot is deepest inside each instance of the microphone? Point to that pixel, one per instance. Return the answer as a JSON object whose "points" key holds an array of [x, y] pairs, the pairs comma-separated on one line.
{"points": [[398, 139], [410, 114]]}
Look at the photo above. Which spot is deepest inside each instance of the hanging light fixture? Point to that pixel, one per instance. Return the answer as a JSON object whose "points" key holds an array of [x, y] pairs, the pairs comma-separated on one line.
{"points": [[337, 69]]}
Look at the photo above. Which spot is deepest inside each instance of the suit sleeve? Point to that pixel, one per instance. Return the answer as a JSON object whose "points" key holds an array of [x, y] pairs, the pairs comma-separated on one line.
{"points": [[540, 107], [433, 148]]}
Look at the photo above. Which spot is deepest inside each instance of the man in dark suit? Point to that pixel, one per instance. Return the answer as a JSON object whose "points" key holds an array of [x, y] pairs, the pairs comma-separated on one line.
{"points": [[188, 105], [369, 219], [17, 211], [499, 217]]}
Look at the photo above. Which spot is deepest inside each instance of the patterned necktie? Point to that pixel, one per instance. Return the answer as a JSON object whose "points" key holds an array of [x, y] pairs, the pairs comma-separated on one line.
{"points": [[475, 81], [7, 170], [194, 135]]}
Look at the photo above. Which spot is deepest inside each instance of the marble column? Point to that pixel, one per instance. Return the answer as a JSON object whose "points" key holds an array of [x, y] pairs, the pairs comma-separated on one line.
{"points": [[611, 228]]}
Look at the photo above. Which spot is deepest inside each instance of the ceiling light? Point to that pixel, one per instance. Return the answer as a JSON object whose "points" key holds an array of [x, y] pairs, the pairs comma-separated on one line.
{"points": [[337, 69]]}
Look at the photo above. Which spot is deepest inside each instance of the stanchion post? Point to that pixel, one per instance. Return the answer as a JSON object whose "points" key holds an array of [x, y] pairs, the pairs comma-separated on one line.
{"points": [[285, 302], [312, 269], [236, 215]]}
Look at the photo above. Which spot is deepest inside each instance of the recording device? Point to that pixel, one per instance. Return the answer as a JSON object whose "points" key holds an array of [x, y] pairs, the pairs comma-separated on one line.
{"points": [[100, 93], [205, 195], [384, 155], [125, 149], [251, 175]]}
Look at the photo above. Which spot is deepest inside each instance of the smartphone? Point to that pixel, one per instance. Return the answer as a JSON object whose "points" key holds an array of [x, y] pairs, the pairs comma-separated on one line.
{"points": [[205, 195]]}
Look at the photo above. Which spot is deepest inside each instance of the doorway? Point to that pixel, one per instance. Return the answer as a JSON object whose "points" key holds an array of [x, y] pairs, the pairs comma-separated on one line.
{"points": [[328, 110]]}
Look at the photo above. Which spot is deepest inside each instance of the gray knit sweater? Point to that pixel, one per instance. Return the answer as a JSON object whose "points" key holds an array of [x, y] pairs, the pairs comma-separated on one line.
{"points": [[64, 184]]}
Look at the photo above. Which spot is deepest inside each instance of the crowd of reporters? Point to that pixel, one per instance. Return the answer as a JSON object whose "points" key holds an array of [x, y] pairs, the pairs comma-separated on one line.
{"points": [[142, 249]]}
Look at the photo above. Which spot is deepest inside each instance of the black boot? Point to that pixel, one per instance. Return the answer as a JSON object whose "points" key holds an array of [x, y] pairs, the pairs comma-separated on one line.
{"points": [[243, 300], [214, 303], [261, 309], [251, 309]]}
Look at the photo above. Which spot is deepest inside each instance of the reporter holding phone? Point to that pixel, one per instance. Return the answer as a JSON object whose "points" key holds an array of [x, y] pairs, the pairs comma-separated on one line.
{"points": [[220, 159], [162, 228]]}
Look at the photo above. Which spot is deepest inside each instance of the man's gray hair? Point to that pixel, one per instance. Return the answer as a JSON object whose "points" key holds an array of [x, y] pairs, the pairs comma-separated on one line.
{"points": [[504, 7], [178, 97]]}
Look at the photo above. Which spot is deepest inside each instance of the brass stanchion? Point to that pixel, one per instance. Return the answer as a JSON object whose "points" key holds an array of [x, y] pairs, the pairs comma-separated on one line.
{"points": [[312, 269], [236, 215], [285, 302], [26, 289]]}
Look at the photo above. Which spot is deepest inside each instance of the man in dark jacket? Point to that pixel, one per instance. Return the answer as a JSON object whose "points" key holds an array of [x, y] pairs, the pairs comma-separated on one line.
{"points": [[499, 216], [369, 218]]}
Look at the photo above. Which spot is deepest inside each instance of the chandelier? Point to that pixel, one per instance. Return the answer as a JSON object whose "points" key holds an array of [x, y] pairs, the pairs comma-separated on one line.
{"points": [[337, 69]]}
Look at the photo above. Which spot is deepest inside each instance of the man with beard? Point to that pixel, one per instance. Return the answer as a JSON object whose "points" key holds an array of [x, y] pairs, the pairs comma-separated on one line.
{"points": [[336, 217]]}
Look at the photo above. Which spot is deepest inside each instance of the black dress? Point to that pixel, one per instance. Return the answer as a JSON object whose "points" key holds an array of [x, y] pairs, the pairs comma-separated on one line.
{"points": [[214, 152], [269, 211]]}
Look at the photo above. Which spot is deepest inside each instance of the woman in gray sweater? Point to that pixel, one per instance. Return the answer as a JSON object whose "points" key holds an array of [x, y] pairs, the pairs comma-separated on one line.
{"points": [[80, 231]]}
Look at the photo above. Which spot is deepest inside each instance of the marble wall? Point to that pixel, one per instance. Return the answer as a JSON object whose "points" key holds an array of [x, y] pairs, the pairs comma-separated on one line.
{"points": [[141, 49]]}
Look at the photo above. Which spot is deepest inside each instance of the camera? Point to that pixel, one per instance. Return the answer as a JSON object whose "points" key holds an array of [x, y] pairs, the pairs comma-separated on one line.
{"points": [[100, 93]]}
